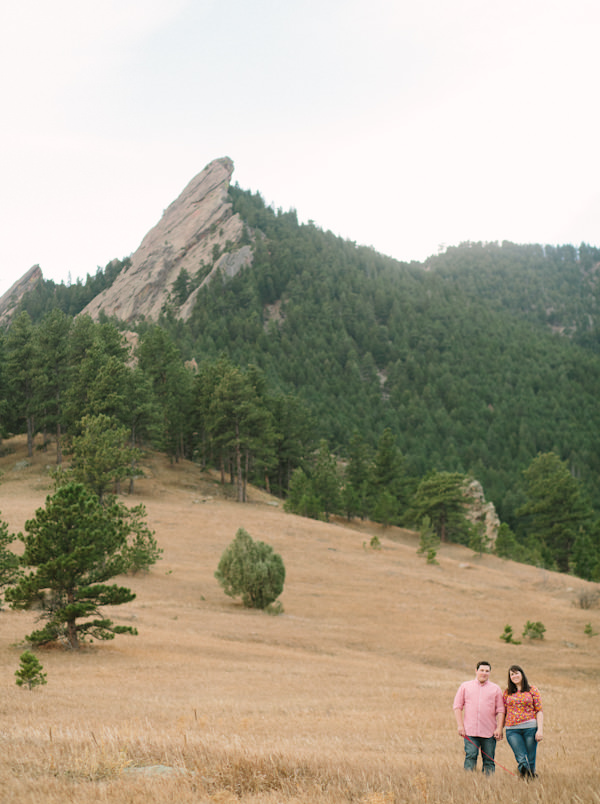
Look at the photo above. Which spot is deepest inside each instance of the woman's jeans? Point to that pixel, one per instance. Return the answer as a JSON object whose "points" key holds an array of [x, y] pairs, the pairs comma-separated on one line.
{"points": [[488, 750], [524, 746]]}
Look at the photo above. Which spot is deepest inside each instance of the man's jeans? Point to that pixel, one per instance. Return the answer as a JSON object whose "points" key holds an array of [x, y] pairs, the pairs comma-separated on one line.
{"points": [[487, 746], [524, 746]]}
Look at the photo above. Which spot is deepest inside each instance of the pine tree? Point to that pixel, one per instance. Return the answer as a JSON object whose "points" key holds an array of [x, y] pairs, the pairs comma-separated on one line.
{"points": [[428, 541], [30, 671], [101, 456], [556, 512], [251, 570], [443, 497], [10, 569], [75, 546]]}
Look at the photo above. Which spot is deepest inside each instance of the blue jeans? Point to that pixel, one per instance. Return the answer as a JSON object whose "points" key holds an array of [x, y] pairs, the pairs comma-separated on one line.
{"points": [[488, 750], [524, 746]]}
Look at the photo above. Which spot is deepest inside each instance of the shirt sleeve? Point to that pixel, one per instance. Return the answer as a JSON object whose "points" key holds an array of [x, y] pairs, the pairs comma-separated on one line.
{"points": [[459, 698], [499, 701], [537, 699]]}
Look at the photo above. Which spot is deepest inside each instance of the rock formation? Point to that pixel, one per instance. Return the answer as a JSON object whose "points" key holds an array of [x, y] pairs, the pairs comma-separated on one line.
{"points": [[13, 296], [480, 511], [197, 232]]}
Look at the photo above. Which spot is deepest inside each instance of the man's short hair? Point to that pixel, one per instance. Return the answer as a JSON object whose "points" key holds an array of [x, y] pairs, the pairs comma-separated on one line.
{"points": [[480, 663]]}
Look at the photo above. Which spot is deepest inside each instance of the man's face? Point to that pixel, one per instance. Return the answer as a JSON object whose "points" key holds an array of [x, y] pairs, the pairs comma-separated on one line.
{"points": [[482, 673]]}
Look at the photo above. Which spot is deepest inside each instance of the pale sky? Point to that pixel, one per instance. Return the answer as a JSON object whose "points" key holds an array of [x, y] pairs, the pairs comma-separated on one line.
{"points": [[406, 126]]}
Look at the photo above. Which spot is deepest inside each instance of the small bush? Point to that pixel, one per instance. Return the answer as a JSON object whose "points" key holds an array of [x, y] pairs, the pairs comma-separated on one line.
{"points": [[251, 569], [508, 636], [428, 541], [589, 631], [30, 672], [534, 630], [374, 544]]}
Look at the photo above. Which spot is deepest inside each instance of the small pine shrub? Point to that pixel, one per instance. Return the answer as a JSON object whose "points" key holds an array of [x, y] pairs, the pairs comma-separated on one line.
{"points": [[508, 636], [589, 631], [30, 672], [428, 541], [534, 630], [251, 570]]}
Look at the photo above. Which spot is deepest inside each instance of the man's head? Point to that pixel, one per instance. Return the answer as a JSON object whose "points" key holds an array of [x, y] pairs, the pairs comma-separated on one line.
{"points": [[483, 671]]}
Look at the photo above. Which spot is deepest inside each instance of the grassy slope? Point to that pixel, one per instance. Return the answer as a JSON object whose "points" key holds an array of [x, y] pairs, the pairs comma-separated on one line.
{"points": [[345, 697]]}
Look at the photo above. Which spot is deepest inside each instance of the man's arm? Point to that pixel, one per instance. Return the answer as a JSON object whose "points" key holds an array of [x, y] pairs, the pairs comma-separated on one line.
{"points": [[500, 715], [458, 714], [499, 733]]}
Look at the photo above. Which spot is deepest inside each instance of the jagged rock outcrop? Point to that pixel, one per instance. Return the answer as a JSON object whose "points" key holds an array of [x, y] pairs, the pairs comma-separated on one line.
{"points": [[480, 511], [13, 296], [193, 234]]}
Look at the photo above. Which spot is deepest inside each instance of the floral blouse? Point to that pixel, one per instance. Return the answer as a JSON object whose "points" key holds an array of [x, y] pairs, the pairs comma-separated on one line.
{"points": [[521, 706]]}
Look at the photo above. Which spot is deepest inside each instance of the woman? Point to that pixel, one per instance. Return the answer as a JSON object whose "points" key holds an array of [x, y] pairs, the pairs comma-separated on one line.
{"points": [[524, 719]]}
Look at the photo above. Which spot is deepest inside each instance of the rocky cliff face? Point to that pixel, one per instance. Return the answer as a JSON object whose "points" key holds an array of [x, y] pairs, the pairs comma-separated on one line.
{"points": [[12, 297], [197, 232], [482, 512]]}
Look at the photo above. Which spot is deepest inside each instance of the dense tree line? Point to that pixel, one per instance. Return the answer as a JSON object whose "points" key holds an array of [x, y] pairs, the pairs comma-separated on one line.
{"points": [[470, 365], [71, 298]]}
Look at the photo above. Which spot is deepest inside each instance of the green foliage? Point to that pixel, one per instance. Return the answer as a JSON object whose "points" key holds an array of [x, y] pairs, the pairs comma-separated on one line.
{"points": [[428, 541], [30, 672], [251, 570], [74, 545], [387, 481], [443, 497], [374, 543], [556, 512], [507, 546], [589, 631], [534, 630], [302, 499], [140, 551], [479, 540], [101, 455], [508, 636], [10, 569], [403, 372], [316, 492], [70, 298]]}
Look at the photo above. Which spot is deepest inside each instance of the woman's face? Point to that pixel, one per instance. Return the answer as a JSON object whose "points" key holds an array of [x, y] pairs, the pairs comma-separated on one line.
{"points": [[516, 677]]}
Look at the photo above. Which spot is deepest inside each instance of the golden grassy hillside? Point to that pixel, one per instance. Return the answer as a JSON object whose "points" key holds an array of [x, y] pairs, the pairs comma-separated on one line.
{"points": [[345, 697]]}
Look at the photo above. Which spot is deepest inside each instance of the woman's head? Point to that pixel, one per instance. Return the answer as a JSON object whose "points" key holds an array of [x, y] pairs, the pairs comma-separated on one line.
{"points": [[517, 680]]}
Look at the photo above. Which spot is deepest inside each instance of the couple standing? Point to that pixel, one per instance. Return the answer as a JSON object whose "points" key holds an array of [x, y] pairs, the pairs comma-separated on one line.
{"points": [[482, 711]]}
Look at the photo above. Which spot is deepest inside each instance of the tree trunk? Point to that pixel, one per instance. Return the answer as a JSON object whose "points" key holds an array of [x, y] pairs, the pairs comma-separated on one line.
{"points": [[30, 436], [72, 637], [238, 464], [58, 446]]}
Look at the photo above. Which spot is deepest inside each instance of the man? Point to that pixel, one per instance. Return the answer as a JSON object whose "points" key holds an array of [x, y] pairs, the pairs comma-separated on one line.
{"points": [[479, 712]]}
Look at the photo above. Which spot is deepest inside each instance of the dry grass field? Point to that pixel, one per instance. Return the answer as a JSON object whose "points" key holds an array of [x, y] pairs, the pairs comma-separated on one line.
{"points": [[345, 697]]}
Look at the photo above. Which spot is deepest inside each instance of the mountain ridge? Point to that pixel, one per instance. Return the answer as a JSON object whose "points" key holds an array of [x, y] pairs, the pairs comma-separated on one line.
{"points": [[192, 229]]}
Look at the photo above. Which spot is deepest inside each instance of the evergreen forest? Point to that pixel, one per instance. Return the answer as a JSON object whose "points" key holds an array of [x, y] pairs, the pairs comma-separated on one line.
{"points": [[348, 382]]}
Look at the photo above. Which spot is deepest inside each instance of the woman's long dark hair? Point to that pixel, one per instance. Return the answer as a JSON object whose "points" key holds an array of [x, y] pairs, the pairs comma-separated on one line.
{"points": [[512, 688]]}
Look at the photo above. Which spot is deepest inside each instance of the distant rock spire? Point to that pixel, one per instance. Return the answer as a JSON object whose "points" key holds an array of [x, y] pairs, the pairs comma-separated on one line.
{"points": [[13, 296], [191, 235]]}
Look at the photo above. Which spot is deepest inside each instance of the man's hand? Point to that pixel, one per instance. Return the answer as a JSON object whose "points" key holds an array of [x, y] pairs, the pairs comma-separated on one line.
{"points": [[461, 731], [499, 734]]}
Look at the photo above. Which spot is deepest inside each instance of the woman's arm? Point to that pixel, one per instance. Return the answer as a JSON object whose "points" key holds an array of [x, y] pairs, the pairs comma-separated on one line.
{"points": [[539, 735]]}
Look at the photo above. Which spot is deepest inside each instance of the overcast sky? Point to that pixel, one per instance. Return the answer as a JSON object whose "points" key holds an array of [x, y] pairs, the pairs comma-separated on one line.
{"points": [[407, 126]]}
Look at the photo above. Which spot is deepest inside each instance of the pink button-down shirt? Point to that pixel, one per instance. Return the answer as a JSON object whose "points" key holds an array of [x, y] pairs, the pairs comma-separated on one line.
{"points": [[480, 704]]}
